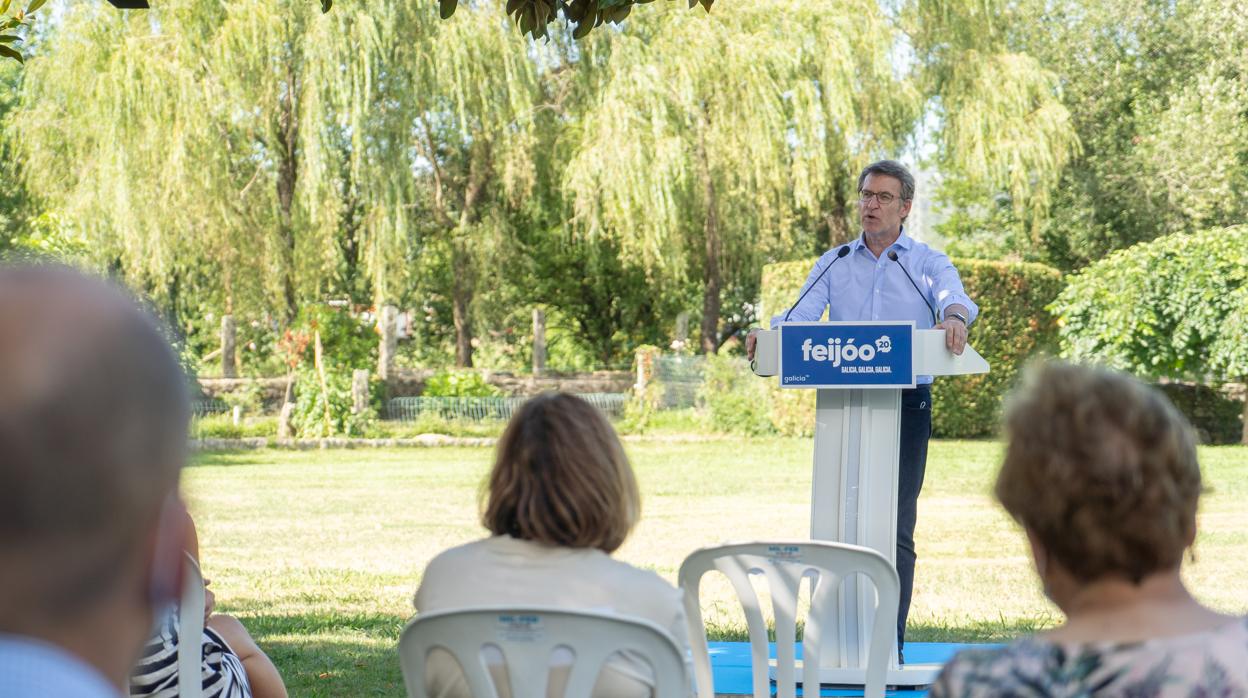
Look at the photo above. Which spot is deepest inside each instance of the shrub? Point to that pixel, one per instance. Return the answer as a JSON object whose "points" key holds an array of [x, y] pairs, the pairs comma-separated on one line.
{"points": [[346, 340], [1215, 416], [1176, 307], [735, 400], [222, 426], [309, 419], [1014, 325], [459, 383]]}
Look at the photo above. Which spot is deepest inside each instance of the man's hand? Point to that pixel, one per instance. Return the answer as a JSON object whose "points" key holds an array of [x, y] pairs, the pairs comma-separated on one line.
{"points": [[750, 341], [955, 334]]}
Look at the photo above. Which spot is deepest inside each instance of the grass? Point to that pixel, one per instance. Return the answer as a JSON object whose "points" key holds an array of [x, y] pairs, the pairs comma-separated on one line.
{"points": [[319, 552]]}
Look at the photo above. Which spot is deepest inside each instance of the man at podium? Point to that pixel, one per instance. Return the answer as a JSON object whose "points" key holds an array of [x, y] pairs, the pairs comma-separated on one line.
{"points": [[887, 275]]}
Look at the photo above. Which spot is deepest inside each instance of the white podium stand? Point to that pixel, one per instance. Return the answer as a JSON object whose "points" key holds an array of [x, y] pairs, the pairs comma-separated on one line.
{"points": [[854, 493]]}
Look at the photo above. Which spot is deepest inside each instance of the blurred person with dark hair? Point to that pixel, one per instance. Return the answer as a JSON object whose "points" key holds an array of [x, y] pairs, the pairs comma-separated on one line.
{"points": [[1101, 473], [560, 499], [93, 434]]}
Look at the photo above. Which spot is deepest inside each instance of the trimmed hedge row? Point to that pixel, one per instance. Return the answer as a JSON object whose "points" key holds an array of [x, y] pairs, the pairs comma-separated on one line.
{"points": [[1013, 327]]}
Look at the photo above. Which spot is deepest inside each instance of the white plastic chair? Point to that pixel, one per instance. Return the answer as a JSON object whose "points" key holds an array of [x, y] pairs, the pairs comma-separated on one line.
{"points": [[783, 564], [191, 632], [526, 637]]}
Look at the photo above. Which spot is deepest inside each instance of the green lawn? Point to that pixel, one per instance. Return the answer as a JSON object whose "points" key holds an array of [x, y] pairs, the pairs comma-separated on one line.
{"points": [[319, 552]]}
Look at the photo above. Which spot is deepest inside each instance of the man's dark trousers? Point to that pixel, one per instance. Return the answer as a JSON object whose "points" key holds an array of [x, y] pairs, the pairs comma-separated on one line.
{"points": [[916, 429]]}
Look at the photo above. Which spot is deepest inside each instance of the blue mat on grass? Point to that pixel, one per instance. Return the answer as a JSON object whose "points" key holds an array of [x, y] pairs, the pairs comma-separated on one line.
{"points": [[730, 665]]}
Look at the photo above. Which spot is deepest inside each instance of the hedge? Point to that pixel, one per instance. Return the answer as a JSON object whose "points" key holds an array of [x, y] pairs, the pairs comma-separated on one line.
{"points": [[1174, 307], [1013, 326]]}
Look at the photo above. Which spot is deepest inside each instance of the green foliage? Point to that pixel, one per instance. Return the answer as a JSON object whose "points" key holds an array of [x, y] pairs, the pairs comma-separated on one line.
{"points": [[15, 27], [430, 423], [702, 178], [1014, 326], [1004, 126], [459, 383], [1154, 92], [1175, 307], [735, 400], [250, 397], [222, 426], [310, 419], [351, 343]]}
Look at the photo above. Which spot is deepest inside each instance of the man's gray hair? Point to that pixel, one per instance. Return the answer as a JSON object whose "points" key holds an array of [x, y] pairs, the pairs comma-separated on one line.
{"points": [[894, 169]]}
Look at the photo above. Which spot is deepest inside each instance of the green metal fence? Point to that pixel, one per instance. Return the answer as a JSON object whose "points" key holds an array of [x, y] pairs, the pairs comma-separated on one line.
{"points": [[209, 406], [409, 409]]}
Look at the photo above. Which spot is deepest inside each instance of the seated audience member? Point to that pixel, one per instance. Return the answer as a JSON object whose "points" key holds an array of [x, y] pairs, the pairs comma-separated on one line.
{"points": [[233, 664], [93, 435], [1101, 473], [560, 499]]}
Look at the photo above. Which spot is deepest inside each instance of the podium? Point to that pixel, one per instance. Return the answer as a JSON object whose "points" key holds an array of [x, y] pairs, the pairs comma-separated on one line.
{"points": [[858, 370]]}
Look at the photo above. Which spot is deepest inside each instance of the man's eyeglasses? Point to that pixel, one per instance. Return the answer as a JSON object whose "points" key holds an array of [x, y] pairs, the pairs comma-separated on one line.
{"points": [[885, 198]]}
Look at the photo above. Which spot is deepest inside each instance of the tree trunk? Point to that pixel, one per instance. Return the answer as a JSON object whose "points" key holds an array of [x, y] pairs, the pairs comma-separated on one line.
{"points": [[462, 262], [287, 176], [539, 341], [838, 228], [710, 269], [461, 303]]}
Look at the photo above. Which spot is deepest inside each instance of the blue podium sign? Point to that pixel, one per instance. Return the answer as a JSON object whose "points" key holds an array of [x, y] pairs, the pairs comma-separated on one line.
{"points": [[847, 355]]}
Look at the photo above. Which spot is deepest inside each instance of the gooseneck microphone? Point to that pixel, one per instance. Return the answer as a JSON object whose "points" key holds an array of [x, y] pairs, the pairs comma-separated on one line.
{"points": [[839, 253], [892, 254]]}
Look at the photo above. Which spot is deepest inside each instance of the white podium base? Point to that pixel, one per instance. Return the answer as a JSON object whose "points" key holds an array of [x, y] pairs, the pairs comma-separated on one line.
{"points": [[907, 675]]}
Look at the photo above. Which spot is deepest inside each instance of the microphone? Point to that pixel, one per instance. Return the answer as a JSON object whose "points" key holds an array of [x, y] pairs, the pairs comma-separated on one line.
{"points": [[839, 253], [892, 254]]}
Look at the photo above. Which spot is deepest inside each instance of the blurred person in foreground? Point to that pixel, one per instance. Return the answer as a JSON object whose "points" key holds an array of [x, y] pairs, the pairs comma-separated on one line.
{"points": [[1101, 473], [232, 665], [93, 435], [560, 499]]}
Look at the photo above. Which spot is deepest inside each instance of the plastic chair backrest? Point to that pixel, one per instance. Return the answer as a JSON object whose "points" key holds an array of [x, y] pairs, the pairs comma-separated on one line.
{"points": [[526, 637], [783, 564], [191, 633]]}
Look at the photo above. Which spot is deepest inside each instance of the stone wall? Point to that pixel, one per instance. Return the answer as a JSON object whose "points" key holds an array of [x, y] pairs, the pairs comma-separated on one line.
{"points": [[411, 382]]}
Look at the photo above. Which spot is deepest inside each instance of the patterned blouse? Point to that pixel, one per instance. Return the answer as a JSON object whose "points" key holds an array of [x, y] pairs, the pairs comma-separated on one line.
{"points": [[1212, 664], [156, 673]]}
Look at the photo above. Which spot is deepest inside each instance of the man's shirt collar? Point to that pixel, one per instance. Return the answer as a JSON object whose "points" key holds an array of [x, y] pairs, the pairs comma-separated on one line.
{"points": [[903, 241]]}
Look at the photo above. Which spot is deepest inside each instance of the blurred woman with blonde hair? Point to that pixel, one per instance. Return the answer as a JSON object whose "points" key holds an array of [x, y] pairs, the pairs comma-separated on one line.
{"points": [[1101, 473]]}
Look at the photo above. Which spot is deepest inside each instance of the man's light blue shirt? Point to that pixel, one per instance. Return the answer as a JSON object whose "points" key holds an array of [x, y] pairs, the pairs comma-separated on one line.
{"points": [[31, 668], [863, 287]]}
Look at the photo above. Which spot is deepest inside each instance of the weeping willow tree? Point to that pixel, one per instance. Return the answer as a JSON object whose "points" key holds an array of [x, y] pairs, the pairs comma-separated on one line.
{"points": [[717, 138], [1003, 125], [220, 143], [474, 96]]}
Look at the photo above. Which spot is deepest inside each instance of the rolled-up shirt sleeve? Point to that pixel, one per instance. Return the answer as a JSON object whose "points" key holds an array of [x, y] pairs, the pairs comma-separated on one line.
{"points": [[813, 304], [946, 285]]}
